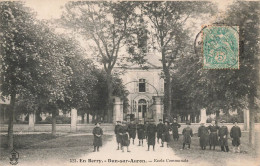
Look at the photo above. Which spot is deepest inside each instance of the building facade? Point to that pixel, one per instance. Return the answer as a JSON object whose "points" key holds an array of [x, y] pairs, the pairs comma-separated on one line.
{"points": [[146, 90]]}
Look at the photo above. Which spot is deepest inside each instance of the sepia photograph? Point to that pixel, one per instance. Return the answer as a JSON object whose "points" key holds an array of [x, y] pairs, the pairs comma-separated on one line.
{"points": [[134, 83]]}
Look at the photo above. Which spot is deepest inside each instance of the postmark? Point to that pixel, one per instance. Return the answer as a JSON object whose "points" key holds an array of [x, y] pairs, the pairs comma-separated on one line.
{"points": [[220, 47]]}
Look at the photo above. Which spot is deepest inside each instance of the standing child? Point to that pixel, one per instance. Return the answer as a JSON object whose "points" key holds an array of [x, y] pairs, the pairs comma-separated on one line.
{"points": [[213, 137], [203, 133], [187, 134], [124, 136], [235, 134], [140, 132], [175, 126], [151, 132], [118, 138], [159, 129], [97, 132], [132, 131], [223, 137], [166, 133]]}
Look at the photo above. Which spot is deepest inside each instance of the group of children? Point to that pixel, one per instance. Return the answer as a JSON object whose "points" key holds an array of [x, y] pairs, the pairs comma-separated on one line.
{"points": [[212, 135]]}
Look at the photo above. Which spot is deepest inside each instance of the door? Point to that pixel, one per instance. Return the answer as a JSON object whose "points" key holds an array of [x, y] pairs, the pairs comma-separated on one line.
{"points": [[142, 109]]}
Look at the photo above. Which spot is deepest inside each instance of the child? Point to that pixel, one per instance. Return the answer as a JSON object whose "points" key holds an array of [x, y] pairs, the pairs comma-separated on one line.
{"points": [[97, 132], [187, 134], [203, 133], [124, 136], [223, 134], [235, 134]]}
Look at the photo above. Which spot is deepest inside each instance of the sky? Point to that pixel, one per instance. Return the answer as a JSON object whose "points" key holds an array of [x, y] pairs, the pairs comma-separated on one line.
{"points": [[47, 9]]}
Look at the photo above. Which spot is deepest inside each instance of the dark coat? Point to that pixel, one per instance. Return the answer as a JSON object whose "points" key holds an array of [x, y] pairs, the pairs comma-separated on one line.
{"points": [[151, 131], [159, 129], [118, 137], [223, 136], [203, 133], [213, 137], [235, 134], [175, 127], [187, 134], [124, 136], [140, 131], [132, 130], [166, 134], [145, 130], [97, 140]]}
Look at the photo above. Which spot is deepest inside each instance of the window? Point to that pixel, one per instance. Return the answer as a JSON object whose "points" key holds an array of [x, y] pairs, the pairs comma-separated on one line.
{"points": [[142, 85]]}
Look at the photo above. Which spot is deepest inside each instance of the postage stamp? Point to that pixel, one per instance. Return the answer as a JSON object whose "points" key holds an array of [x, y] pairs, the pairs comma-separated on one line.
{"points": [[220, 47]]}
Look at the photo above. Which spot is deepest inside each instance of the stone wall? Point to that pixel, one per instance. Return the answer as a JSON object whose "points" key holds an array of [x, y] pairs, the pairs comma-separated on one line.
{"points": [[109, 128]]}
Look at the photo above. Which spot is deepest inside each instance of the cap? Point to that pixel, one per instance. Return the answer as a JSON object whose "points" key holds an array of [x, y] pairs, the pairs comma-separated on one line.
{"points": [[160, 119], [174, 118], [234, 121], [118, 121], [97, 123]]}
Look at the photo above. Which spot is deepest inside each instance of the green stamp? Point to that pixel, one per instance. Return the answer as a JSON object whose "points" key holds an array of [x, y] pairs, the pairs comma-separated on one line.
{"points": [[220, 47]]}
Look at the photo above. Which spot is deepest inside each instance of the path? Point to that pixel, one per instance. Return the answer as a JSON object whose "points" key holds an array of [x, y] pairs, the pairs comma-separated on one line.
{"points": [[138, 153]]}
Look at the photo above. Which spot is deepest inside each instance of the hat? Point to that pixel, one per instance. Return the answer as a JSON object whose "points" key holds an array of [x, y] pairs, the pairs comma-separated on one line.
{"points": [[174, 118], [118, 121], [124, 122], [97, 123], [188, 122], [234, 121], [166, 120], [160, 119]]}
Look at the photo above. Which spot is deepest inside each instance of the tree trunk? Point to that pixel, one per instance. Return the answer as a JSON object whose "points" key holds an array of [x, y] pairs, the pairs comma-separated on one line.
{"points": [[11, 122], [251, 120], [109, 97], [87, 118], [93, 117], [53, 131], [82, 118], [168, 93]]}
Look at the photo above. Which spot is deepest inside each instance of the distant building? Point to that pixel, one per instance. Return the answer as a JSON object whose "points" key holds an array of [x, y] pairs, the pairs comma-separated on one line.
{"points": [[146, 89]]}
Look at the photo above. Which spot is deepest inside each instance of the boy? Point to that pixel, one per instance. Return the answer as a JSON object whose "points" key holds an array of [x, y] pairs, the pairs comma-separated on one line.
{"points": [[132, 131], [213, 137], [187, 134], [118, 138], [175, 131], [140, 132], [166, 134], [203, 133], [124, 136], [151, 131], [159, 129], [235, 134], [97, 132], [223, 134]]}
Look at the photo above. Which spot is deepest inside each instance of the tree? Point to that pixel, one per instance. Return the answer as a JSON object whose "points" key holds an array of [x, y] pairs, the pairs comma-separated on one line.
{"points": [[246, 16], [226, 89], [82, 82], [33, 64], [168, 20], [16, 27], [98, 100], [106, 24]]}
